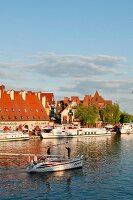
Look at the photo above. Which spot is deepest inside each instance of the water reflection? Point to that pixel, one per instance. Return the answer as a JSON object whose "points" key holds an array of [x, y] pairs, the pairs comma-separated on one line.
{"points": [[92, 148], [50, 182], [100, 152], [108, 163]]}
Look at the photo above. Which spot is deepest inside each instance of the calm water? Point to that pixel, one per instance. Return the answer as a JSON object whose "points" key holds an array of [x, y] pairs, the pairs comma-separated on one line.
{"points": [[107, 173]]}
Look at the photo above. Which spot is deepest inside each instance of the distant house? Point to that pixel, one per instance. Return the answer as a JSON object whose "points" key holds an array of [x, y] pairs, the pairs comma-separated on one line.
{"points": [[67, 107], [96, 100], [24, 107]]}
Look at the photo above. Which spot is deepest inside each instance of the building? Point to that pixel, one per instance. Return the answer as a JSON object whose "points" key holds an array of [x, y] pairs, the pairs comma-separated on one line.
{"points": [[96, 100], [67, 107], [24, 107]]}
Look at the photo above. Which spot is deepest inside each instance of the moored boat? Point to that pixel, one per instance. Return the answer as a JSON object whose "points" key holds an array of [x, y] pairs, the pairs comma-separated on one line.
{"points": [[126, 128], [59, 132], [11, 135], [64, 132], [54, 163], [90, 132]]}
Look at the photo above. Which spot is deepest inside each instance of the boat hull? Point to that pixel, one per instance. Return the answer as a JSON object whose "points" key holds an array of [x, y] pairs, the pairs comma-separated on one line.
{"points": [[126, 128], [49, 135], [56, 166], [13, 136], [72, 133]]}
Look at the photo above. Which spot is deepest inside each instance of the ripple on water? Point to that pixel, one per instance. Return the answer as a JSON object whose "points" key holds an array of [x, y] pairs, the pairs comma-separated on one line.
{"points": [[106, 175]]}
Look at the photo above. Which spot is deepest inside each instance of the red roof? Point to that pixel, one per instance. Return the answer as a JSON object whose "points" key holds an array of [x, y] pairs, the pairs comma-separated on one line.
{"points": [[15, 107]]}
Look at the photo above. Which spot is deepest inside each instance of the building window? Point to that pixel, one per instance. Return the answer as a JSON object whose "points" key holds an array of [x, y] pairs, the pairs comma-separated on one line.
{"points": [[28, 117], [42, 110], [22, 117], [12, 109], [19, 110], [6, 109], [9, 117], [2, 117], [0, 110], [25, 110], [31, 109], [39, 117], [36, 110], [15, 117], [33, 117]]}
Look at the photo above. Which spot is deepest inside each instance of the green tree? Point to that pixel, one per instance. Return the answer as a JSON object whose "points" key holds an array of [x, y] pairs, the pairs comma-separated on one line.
{"points": [[110, 114], [81, 113], [116, 113], [125, 117], [88, 115]]}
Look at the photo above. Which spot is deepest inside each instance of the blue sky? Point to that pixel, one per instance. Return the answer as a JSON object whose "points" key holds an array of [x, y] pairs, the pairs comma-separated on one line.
{"points": [[68, 47]]}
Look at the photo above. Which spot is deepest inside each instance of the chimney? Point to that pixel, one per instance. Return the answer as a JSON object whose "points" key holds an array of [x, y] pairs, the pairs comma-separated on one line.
{"points": [[23, 95], [44, 101], [12, 94], [2, 88], [39, 95]]}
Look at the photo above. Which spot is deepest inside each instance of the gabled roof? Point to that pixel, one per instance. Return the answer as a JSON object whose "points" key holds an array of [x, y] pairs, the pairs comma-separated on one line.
{"points": [[15, 107]]}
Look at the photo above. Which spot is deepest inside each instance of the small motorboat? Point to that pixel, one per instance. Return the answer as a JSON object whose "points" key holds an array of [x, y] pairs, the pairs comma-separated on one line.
{"points": [[52, 163], [58, 132]]}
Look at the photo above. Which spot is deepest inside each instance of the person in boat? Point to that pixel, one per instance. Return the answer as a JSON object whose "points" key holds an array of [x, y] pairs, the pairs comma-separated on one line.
{"points": [[68, 151], [35, 159], [48, 151]]}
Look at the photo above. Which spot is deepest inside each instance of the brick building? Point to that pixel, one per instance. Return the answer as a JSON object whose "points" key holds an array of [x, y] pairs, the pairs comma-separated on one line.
{"points": [[66, 108]]}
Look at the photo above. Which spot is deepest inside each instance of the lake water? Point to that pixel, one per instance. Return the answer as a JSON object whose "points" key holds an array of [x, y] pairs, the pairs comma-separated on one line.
{"points": [[107, 173]]}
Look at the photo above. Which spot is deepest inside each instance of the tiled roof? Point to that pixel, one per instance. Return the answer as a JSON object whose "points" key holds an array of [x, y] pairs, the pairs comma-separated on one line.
{"points": [[15, 107]]}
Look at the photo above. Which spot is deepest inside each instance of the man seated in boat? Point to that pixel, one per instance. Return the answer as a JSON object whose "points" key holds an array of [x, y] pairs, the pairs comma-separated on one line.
{"points": [[68, 151]]}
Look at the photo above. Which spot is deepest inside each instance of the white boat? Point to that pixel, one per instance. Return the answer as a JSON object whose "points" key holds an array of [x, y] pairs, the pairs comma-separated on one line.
{"points": [[91, 132], [54, 163], [64, 132], [13, 135], [58, 132], [126, 128]]}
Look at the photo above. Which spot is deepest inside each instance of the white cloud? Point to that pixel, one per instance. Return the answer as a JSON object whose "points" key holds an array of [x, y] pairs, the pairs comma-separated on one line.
{"points": [[75, 65], [67, 75]]}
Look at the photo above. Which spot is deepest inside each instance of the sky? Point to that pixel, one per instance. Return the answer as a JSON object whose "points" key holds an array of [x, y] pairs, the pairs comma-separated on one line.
{"points": [[68, 47]]}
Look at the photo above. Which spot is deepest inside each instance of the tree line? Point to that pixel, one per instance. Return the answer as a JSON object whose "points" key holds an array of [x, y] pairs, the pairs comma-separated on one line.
{"points": [[111, 114]]}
